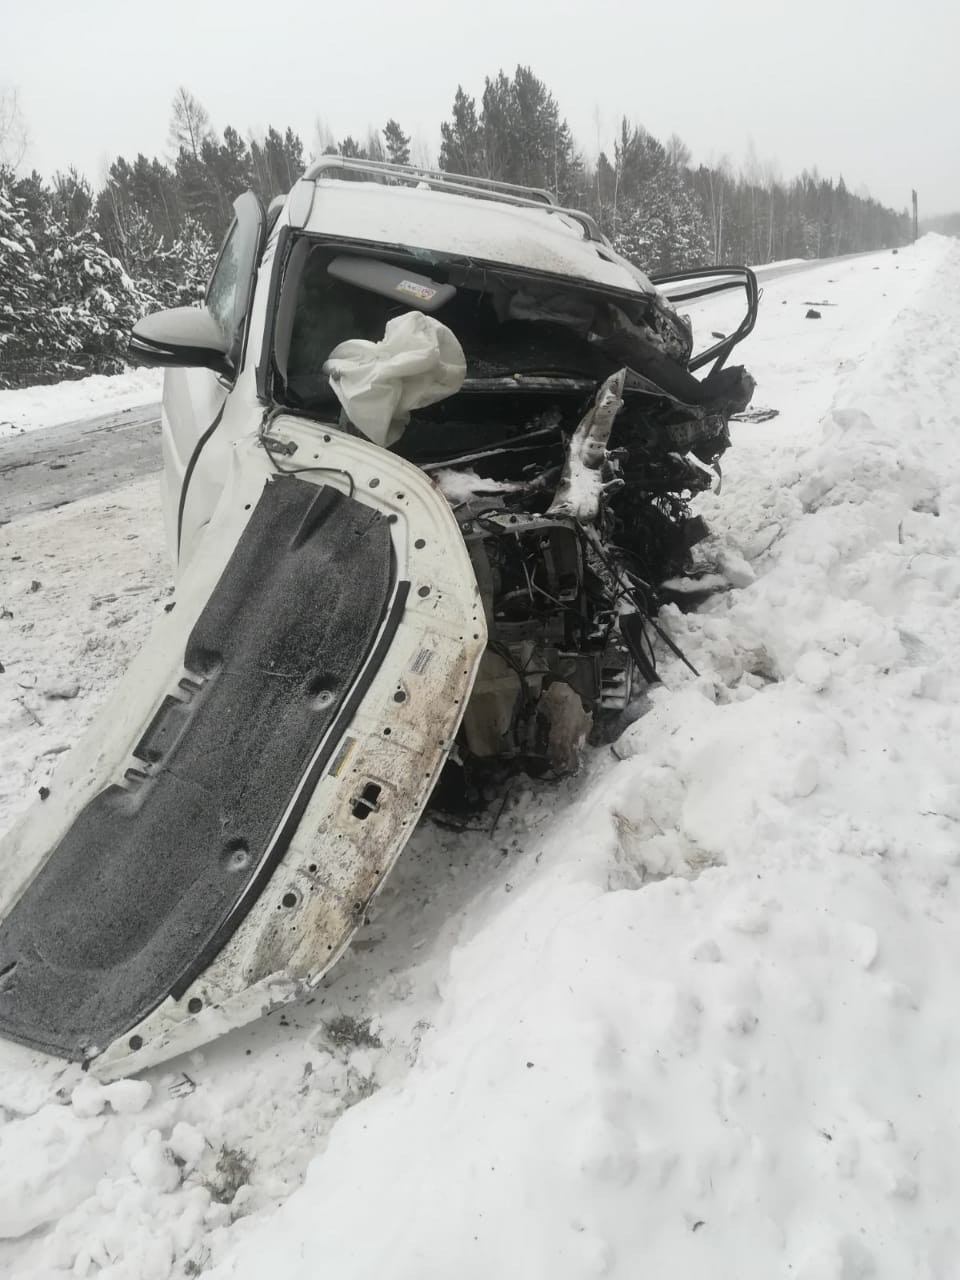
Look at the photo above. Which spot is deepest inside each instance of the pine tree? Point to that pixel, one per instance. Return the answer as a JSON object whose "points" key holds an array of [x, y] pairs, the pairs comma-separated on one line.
{"points": [[518, 137], [66, 304], [93, 299], [232, 168], [200, 195], [72, 199], [209, 183], [147, 186], [194, 254], [650, 206], [461, 148], [276, 163], [25, 327], [153, 267], [398, 143], [525, 140]]}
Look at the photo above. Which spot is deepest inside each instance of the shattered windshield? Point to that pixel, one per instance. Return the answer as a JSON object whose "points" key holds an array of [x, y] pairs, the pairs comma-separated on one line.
{"points": [[507, 324]]}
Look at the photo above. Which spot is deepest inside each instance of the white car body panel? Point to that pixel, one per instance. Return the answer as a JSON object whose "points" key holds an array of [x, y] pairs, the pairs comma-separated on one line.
{"points": [[534, 239], [192, 398], [332, 865]]}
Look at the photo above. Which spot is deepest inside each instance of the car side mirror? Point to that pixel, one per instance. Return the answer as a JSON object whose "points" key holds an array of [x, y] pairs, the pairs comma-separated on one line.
{"points": [[188, 337]]}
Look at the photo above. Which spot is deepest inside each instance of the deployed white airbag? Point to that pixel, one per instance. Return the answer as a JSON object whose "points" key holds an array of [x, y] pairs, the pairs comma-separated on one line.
{"points": [[418, 362]]}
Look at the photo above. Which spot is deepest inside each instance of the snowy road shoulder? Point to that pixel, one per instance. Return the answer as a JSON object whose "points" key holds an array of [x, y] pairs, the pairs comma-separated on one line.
{"points": [[32, 408], [79, 587], [712, 1031], [690, 1015]]}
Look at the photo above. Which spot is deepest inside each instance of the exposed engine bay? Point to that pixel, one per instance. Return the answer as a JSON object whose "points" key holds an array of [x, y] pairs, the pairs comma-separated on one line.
{"points": [[570, 453], [571, 535]]}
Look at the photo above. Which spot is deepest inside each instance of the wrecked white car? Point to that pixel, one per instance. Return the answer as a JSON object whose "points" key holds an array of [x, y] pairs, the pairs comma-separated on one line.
{"points": [[429, 448]]}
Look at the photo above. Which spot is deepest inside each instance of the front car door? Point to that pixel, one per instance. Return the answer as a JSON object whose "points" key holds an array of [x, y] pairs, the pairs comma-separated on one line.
{"points": [[194, 399]]}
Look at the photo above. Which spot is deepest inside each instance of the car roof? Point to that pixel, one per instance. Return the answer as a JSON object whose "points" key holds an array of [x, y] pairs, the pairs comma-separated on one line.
{"points": [[532, 237]]}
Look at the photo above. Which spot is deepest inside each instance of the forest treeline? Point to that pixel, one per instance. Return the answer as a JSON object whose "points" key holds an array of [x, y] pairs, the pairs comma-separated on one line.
{"points": [[79, 264]]}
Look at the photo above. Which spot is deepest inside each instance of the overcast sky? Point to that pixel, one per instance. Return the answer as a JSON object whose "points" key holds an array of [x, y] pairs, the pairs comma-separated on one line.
{"points": [[866, 88]]}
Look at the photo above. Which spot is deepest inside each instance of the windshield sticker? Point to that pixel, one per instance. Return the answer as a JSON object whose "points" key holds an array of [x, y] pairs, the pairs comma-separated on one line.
{"points": [[422, 291]]}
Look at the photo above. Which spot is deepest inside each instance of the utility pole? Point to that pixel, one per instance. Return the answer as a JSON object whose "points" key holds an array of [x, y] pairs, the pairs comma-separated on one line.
{"points": [[916, 224]]}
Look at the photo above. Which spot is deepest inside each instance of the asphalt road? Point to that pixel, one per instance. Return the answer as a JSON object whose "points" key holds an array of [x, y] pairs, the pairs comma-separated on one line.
{"points": [[777, 270], [56, 465]]}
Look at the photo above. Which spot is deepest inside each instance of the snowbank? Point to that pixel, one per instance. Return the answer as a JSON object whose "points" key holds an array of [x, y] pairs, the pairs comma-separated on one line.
{"points": [[28, 408], [690, 1015], [711, 1030], [778, 263]]}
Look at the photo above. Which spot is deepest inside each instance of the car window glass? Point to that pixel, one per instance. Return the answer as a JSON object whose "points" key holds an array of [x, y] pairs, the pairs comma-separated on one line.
{"points": [[229, 289], [223, 287], [328, 312]]}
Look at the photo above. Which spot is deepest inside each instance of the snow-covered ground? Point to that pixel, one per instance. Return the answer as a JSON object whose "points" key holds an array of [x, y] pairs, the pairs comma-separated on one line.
{"points": [[29, 408], [690, 1015]]}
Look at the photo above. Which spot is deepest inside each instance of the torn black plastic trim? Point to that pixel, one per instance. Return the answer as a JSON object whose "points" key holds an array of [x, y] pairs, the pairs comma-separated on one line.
{"points": [[158, 355]]}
